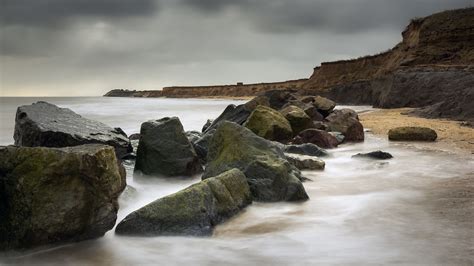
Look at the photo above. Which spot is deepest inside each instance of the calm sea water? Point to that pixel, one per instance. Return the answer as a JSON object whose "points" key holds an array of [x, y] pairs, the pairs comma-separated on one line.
{"points": [[360, 211]]}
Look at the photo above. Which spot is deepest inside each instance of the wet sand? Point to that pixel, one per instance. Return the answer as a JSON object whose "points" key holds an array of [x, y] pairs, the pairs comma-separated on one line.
{"points": [[451, 134]]}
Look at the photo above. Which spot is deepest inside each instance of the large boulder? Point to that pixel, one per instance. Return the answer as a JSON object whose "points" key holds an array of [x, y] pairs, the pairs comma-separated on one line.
{"points": [[298, 119], [412, 134], [347, 122], [269, 124], [278, 98], [192, 211], [270, 176], [318, 137], [164, 149], [56, 195], [306, 149], [46, 125], [324, 105]]}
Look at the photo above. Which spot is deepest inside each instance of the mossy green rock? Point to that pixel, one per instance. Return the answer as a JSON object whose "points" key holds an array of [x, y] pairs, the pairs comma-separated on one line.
{"points": [[56, 195], [192, 211], [270, 176], [298, 119], [269, 124], [165, 150], [412, 134]]}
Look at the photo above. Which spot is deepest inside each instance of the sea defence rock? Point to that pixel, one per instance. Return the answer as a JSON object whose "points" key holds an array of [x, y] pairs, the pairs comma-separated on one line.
{"points": [[269, 124], [270, 176], [164, 149], [412, 134], [298, 119], [304, 162], [347, 122], [237, 114], [377, 155], [56, 195], [192, 211], [324, 105], [47, 125], [318, 137], [306, 149]]}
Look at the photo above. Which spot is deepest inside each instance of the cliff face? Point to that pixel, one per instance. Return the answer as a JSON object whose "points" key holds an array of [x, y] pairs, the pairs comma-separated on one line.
{"points": [[238, 90], [445, 38], [134, 93]]}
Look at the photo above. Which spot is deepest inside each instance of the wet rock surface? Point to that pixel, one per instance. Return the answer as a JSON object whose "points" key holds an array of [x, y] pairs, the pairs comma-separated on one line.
{"points": [[318, 137], [269, 124], [47, 125], [193, 211], [165, 150], [378, 155], [270, 176], [57, 195]]}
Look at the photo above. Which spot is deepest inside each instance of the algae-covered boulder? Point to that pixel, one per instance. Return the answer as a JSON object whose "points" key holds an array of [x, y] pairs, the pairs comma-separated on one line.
{"points": [[56, 195], [324, 105], [46, 125], [412, 134], [298, 119], [269, 124], [270, 176], [347, 122], [318, 137], [193, 211], [164, 149]]}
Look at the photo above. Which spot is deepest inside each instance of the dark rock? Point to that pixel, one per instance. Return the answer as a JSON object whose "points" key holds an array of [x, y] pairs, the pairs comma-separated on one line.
{"points": [[306, 149], [304, 162], [202, 145], [269, 124], [129, 156], [339, 136], [192, 211], [298, 119], [313, 113], [232, 113], [270, 176], [412, 134], [324, 105], [57, 195], [320, 125], [259, 100], [207, 125], [347, 122], [193, 135], [44, 124], [378, 155], [135, 136], [278, 98], [165, 150], [318, 137]]}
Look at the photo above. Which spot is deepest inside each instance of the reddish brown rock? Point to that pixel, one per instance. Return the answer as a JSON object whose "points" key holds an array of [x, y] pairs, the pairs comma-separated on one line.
{"points": [[318, 137]]}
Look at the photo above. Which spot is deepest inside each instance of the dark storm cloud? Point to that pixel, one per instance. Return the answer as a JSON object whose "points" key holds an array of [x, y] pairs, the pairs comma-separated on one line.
{"points": [[47, 12], [342, 16]]}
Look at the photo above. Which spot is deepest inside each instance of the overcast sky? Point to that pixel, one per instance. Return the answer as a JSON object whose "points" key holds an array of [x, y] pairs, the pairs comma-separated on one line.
{"points": [[87, 47]]}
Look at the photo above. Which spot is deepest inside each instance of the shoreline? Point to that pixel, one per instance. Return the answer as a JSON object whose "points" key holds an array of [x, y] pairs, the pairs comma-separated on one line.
{"points": [[452, 136]]}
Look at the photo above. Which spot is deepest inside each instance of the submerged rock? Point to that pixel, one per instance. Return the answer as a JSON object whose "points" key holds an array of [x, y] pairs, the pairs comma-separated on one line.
{"points": [[269, 124], [270, 176], [304, 162], [306, 149], [56, 195], [347, 122], [412, 134], [44, 124], [318, 137], [378, 155], [192, 211], [164, 149], [298, 119]]}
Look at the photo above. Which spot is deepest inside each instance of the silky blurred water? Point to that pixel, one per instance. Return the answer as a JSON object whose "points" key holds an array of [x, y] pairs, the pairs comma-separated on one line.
{"points": [[360, 211]]}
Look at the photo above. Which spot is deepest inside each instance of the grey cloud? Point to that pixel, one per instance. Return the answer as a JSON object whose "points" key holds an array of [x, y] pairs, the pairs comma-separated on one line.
{"points": [[48, 12]]}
